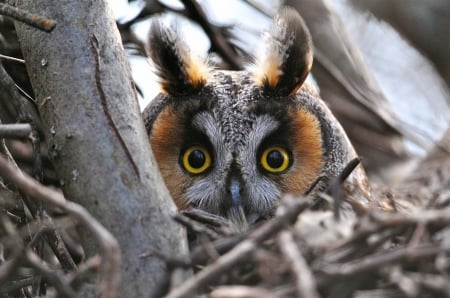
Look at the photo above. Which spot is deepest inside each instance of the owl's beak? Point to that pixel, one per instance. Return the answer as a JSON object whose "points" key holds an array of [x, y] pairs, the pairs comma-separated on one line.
{"points": [[236, 213]]}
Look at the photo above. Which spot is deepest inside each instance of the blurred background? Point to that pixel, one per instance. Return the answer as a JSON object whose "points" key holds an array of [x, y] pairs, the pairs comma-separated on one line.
{"points": [[382, 66]]}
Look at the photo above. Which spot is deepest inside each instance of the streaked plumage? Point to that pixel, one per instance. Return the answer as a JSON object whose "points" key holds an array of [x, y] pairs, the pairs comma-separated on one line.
{"points": [[233, 143]]}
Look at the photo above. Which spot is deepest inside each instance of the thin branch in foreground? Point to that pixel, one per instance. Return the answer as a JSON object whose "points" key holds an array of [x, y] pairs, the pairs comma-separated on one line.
{"points": [[380, 221], [51, 276], [348, 169], [49, 230], [195, 226], [57, 244], [15, 258], [16, 285], [15, 131], [199, 256], [13, 59], [76, 277], [17, 106], [332, 271], [241, 292], [110, 247], [33, 20], [305, 282], [241, 251]]}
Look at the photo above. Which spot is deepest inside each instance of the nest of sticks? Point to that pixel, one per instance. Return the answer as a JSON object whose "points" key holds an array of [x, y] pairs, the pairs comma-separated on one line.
{"points": [[305, 252]]}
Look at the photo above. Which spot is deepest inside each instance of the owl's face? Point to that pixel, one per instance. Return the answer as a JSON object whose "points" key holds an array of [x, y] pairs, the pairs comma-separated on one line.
{"points": [[233, 143]]}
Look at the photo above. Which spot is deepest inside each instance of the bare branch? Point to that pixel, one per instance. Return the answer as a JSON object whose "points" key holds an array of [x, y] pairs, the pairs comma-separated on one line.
{"points": [[36, 21], [109, 245], [241, 292], [16, 130], [4, 57], [306, 285], [240, 252], [370, 262]]}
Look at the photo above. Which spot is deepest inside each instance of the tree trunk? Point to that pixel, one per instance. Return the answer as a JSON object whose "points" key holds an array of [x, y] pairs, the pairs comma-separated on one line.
{"points": [[96, 137]]}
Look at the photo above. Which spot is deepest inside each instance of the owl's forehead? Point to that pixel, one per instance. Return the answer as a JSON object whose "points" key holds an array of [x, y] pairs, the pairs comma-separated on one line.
{"points": [[233, 100], [233, 87]]}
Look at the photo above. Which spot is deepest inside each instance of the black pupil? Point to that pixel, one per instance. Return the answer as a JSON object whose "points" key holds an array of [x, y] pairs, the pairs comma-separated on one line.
{"points": [[196, 159], [275, 159]]}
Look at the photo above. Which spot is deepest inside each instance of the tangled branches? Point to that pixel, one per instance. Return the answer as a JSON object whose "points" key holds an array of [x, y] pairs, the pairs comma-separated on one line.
{"points": [[378, 253]]}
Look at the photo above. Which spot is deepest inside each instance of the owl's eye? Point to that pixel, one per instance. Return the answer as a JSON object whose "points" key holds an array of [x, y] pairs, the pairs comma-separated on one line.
{"points": [[196, 160], [275, 159]]}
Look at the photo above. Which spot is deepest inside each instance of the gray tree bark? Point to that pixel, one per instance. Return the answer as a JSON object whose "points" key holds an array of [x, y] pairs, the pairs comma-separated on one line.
{"points": [[96, 137]]}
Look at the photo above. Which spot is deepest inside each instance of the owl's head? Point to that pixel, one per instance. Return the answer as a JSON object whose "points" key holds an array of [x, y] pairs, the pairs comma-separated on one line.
{"points": [[233, 143]]}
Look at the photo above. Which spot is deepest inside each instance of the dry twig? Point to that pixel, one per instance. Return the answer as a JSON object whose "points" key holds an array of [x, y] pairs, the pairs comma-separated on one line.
{"points": [[240, 252], [218, 40], [36, 21], [110, 248], [305, 281], [16, 130]]}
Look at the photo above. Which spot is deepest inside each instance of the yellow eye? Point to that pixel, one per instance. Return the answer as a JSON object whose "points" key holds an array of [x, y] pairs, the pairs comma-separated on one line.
{"points": [[196, 160], [275, 159]]}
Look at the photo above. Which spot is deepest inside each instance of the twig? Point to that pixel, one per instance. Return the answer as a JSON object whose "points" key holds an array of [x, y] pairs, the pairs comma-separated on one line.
{"points": [[82, 271], [305, 281], [241, 292], [218, 40], [57, 244], [431, 281], [16, 285], [51, 235], [17, 252], [376, 222], [7, 86], [348, 169], [240, 252], [16, 130], [333, 191], [195, 226], [55, 279], [18, 107], [33, 227], [223, 245], [209, 273], [23, 16], [107, 242], [331, 271], [404, 283], [9, 58]]}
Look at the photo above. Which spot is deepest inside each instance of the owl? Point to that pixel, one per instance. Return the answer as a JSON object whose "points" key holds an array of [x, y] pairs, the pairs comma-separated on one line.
{"points": [[233, 143]]}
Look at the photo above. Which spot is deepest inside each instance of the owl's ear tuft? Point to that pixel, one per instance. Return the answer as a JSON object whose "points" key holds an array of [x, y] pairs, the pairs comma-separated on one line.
{"points": [[288, 55], [180, 72]]}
